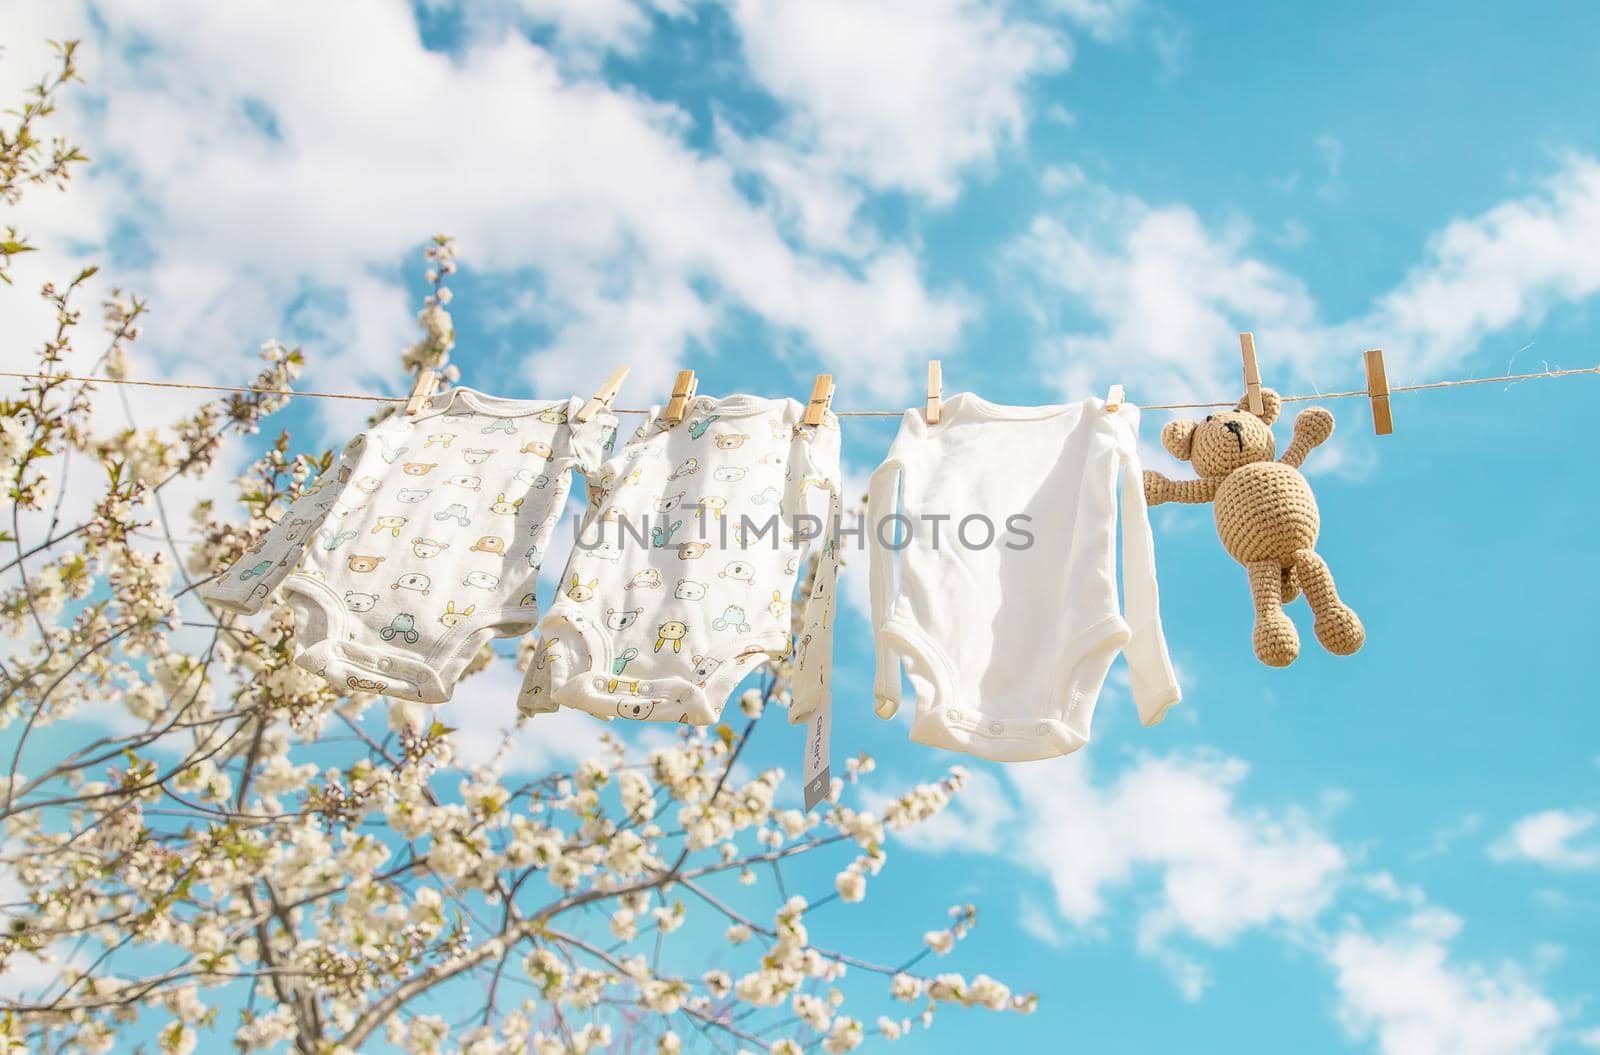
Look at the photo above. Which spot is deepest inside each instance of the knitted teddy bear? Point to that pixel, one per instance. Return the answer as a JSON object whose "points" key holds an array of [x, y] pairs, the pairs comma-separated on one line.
{"points": [[1266, 517]]}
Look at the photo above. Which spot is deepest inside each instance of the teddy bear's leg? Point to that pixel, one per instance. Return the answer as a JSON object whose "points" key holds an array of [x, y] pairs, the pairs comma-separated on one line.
{"points": [[1276, 641], [1337, 626], [1291, 587]]}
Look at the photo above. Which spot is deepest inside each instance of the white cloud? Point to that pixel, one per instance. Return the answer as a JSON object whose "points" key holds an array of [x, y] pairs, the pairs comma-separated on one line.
{"points": [[266, 153], [1165, 294], [484, 714], [1562, 839], [1172, 824], [1503, 269], [1104, 19], [1402, 991], [905, 94]]}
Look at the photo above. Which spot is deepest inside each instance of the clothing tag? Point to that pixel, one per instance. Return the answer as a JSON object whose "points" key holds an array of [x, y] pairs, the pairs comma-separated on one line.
{"points": [[818, 774]]}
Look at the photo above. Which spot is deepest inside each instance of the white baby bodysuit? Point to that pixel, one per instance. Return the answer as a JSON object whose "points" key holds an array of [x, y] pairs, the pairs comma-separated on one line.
{"points": [[1006, 612], [679, 584], [422, 542]]}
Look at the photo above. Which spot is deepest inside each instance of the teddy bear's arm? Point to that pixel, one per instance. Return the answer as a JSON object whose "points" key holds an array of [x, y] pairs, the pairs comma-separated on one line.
{"points": [[1312, 426], [1159, 489]]}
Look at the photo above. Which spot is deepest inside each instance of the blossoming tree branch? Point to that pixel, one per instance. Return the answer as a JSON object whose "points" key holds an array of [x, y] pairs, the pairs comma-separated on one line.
{"points": [[205, 846]]}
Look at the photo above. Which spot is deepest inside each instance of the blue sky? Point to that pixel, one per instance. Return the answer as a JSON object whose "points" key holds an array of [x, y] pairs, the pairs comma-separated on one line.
{"points": [[1397, 852]]}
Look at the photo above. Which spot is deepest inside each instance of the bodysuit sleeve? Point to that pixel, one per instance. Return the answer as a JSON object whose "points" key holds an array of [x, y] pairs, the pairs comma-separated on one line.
{"points": [[1155, 686], [244, 587], [819, 490]]}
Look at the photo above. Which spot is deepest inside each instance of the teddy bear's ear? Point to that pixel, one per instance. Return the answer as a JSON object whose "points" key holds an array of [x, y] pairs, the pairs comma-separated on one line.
{"points": [[1271, 403], [1178, 437]]}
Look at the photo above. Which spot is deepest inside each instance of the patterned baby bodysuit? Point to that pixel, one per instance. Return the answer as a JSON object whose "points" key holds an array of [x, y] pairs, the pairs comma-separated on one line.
{"points": [[422, 542], [679, 585]]}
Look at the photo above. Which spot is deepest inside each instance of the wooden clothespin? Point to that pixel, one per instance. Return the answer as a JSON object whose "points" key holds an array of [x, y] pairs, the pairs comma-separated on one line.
{"points": [[821, 396], [1114, 399], [1378, 392], [935, 391], [683, 390], [1252, 374], [422, 391], [607, 393]]}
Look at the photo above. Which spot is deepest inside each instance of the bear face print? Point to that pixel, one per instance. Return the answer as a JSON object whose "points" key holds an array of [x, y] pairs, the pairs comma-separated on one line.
{"points": [[713, 505], [504, 508], [413, 580], [368, 485], [537, 448], [295, 529], [689, 590], [638, 710], [471, 483], [730, 474], [738, 570], [667, 503], [553, 415], [622, 620], [359, 602], [781, 430], [731, 441], [390, 524], [412, 495], [428, 548], [476, 455], [365, 684], [361, 563], [671, 632], [607, 550], [481, 580], [692, 550], [649, 579], [489, 544], [419, 468], [704, 667]]}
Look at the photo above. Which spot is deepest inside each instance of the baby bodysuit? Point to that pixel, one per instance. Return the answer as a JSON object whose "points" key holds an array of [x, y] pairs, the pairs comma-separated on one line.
{"points": [[422, 542], [1006, 611], [679, 583]]}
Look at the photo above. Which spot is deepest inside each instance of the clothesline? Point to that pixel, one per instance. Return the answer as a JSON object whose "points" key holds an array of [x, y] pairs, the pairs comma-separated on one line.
{"points": [[1298, 398]]}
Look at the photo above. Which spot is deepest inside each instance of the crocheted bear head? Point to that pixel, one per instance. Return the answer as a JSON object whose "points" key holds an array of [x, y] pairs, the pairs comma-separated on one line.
{"points": [[1223, 442]]}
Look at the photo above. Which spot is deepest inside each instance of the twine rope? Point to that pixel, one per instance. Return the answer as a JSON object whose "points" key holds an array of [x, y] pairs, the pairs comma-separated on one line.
{"points": [[1299, 398]]}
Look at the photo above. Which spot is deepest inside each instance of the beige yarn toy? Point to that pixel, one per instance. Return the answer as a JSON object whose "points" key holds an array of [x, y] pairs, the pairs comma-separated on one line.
{"points": [[1266, 517]]}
